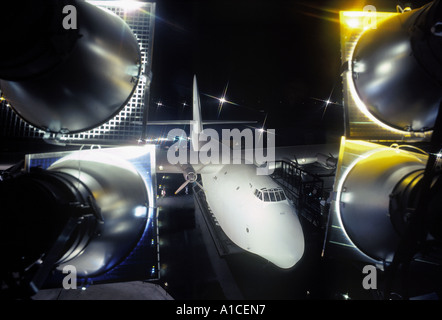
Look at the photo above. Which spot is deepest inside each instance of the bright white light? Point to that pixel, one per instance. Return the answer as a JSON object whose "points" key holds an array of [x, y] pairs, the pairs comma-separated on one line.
{"points": [[222, 100], [127, 5], [140, 211], [353, 23], [359, 67], [133, 152], [385, 68]]}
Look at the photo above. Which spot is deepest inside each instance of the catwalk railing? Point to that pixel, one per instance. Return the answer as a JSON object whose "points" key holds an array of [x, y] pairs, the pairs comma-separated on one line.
{"points": [[305, 189]]}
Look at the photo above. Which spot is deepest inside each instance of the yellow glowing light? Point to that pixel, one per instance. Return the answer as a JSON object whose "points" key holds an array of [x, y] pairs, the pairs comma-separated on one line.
{"points": [[353, 23], [363, 20], [353, 19], [353, 14]]}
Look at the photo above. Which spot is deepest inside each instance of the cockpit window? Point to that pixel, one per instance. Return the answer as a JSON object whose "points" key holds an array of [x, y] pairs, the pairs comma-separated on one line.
{"points": [[278, 197], [270, 195], [266, 197]]}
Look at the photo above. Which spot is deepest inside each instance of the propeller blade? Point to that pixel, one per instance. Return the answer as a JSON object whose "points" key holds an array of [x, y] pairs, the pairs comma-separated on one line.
{"points": [[199, 185], [182, 186]]}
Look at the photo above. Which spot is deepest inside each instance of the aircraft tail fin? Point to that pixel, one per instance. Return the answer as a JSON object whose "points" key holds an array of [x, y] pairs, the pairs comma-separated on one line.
{"points": [[197, 122], [197, 118], [196, 108], [197, 125]]}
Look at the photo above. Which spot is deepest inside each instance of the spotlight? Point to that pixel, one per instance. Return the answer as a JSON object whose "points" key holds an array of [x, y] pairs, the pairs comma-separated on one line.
{"points": [[397, 71], [73, 214], [66, 80]]}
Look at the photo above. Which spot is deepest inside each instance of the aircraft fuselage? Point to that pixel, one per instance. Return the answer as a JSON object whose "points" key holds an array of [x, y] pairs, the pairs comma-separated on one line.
{"points": [[255, 214]]}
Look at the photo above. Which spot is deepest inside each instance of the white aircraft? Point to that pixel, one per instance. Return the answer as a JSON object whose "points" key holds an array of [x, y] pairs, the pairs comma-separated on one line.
{"points": [[252, 210]]}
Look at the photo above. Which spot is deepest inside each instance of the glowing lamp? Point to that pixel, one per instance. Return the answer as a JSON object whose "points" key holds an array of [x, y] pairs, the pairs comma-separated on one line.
{"points": [[396, 70]]}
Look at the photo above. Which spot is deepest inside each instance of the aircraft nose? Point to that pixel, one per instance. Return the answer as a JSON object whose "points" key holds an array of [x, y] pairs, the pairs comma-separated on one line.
{"points": [[286, 239], [291, 245]]}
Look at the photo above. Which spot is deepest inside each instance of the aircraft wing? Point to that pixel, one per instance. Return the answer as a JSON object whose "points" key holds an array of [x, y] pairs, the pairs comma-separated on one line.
{"points": [[304, 154], [301, 154], [163, 165], [188, 122]]}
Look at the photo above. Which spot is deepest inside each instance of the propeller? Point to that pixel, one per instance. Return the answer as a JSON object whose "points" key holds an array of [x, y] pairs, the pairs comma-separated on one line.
{"points": [[190, 176]]}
